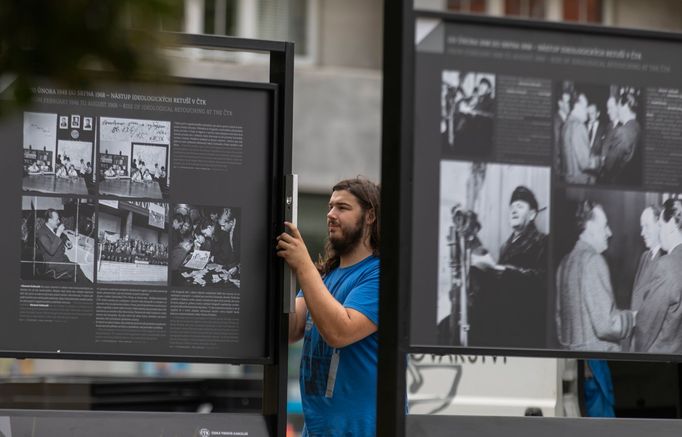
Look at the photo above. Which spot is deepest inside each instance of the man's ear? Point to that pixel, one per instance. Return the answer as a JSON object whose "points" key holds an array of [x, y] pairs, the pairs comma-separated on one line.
{"points": [[370, 217]]}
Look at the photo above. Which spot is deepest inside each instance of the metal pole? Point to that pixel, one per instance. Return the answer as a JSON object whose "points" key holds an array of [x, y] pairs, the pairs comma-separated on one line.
{"points": [[463, 292], [396, 164]]}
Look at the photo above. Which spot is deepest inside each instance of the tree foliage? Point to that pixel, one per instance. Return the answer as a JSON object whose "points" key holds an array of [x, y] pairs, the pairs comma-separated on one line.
{"points": [[66, 40]]}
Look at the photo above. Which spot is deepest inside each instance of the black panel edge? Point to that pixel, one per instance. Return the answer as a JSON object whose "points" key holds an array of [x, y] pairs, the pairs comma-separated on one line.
{"points": [[227, 43], [396, 199], [560, 26], [275, 378]]}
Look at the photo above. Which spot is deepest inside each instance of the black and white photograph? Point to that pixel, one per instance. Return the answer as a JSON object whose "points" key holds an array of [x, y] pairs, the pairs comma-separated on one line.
{"points": [[134, 157], [76, 121], [87, 123], [618, 276], [133, 243], [57, 239], [493, 255], [74, 162], [53, 162], [206, 246], [467, 112], [598, 134], [63, 122]]}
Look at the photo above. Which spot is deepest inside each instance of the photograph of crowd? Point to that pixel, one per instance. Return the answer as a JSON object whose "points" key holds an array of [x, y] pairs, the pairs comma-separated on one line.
{"points": [[56, 161], [133, 158], [133, 243], [206, 246], [492, 255], [618, 276], [57, 239], [598, 134], [467, 112]]}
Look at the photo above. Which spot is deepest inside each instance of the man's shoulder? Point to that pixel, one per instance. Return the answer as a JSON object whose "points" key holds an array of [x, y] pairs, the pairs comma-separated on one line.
{"points": [[365, 269], [667, 276], [669, 265], [583, 252], [594, 258], [42, 230], [372, 265], [628, 130], [631, 126], [369, 263], [538, 237]]}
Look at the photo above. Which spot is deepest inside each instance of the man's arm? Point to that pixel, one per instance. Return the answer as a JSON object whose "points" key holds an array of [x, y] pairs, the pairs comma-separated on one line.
{"points": [[557, 306], [297, 321], [609, 322], [537, 272], [582, 149], [652, 314], [623, 148], [338, 326], [49, 245], [629, 143], [640, 269]]}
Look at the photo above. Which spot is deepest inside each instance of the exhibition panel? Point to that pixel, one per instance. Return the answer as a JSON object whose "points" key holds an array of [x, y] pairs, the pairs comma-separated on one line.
{"points": [[146, 209], [534, 171], [542, 153], [133, 210]]}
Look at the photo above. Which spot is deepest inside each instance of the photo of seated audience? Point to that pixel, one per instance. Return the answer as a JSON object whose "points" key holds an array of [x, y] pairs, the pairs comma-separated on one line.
{"points": [[134, 251], [133, 158], [133, 243], [56, 160], [206, 246], [57, 239]]}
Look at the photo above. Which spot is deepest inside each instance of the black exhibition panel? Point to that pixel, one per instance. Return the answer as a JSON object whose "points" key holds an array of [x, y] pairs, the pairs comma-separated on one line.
{"points": [[521, 161], [539, 88], [147, 212], [127, 286]]}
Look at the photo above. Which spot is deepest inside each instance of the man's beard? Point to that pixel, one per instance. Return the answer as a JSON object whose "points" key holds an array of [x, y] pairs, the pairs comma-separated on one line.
{"points": [[349, 238]]}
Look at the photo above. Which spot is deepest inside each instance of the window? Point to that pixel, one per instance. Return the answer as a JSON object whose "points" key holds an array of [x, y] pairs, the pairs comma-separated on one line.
{"points": [[280, 20], [584, 11], [525, 8], [478, 6], [220, 17], [284, 20]]}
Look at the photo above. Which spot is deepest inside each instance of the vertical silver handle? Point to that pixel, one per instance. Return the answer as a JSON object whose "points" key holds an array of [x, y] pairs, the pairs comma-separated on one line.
{"points": [[291, 215]]}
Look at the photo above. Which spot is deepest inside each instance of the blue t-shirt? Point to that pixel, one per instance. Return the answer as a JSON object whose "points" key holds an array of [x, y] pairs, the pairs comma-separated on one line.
{"points": [[344, 406]]}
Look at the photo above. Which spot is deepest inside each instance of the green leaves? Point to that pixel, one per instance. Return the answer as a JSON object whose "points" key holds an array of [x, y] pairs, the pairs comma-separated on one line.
{"points": [[66, 40]]}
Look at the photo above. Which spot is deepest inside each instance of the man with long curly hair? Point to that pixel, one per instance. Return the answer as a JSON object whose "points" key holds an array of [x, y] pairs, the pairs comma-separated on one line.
{"points": [[337, 314]]}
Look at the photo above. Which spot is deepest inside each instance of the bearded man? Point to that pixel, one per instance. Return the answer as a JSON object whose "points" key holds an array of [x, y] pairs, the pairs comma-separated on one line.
{"points": [[337, 314]]}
